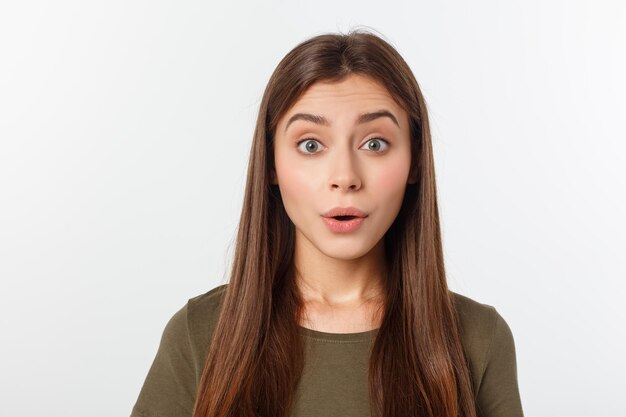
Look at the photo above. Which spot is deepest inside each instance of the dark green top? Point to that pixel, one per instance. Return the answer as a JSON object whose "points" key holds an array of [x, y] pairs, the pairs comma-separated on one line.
{"points": [[334, 379]]}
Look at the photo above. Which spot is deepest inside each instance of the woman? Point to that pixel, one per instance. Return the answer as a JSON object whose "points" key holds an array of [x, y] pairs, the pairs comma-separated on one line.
{"points": [[337, 302]]}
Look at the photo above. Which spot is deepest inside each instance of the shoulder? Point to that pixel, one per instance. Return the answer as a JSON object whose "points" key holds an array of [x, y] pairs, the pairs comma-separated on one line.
{"points": [[172, 380], [191, 326], [477, 319], [202, 313], [208, 303], [170, 385], [197, 312], [483, 332]]}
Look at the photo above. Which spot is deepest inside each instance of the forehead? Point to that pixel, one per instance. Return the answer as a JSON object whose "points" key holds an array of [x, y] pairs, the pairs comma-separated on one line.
{"points": [[355, 93]]}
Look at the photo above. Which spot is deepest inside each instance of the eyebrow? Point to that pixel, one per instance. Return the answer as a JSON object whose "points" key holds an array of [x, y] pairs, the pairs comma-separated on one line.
{"points": [[362, 118]]}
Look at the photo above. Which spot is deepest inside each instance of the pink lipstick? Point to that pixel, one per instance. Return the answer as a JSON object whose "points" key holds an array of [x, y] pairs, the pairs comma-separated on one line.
{"points": [[344, 219]]}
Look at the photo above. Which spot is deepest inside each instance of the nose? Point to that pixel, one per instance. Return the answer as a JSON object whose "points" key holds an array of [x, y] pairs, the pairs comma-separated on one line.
{"points": [[344, 171]]}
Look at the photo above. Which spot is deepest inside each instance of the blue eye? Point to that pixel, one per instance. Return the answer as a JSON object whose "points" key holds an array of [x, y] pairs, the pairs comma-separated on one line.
{"points": [[312, 145], [308, 145], [377, 148]]}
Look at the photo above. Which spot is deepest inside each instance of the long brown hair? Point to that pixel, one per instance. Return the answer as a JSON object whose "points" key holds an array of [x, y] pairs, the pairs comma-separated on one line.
{"points": [[417, 365]]}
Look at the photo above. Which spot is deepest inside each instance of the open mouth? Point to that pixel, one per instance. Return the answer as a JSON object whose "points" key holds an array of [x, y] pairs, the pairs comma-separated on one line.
{"points": [[344, 218], [343, 224]]}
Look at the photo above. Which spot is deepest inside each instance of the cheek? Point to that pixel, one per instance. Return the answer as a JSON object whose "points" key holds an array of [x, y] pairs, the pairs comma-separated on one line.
{"points": [[294, 182], [392, 179], [295, 185]]}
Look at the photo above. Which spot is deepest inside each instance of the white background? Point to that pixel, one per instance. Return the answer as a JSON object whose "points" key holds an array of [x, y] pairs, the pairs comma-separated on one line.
{"points": [[125, 130]]}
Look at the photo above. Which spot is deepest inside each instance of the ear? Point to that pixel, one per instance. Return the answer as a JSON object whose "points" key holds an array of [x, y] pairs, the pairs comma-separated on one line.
{"points": [[273, 177]]}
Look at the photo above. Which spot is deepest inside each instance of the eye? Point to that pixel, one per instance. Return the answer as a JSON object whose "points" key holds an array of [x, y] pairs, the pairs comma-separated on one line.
{"points": [[376, 147], [310, 145]]}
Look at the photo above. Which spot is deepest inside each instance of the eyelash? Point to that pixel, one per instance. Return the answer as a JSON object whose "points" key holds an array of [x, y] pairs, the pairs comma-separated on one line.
{"points": [[313, 154]]}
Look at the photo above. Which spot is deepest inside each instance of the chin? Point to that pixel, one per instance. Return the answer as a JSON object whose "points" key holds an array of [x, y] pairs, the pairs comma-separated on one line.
{"points": [[346, 251]]}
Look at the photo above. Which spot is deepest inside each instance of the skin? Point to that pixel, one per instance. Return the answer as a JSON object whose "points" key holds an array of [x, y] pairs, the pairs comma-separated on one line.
{"points": [[343, 164]]}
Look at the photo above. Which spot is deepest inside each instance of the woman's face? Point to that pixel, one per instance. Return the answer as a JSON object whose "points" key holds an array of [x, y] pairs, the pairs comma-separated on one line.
{"points": [[334, 159]]}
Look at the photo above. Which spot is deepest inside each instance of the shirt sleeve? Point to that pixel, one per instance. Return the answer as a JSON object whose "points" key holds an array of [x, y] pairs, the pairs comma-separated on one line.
{"points": [[498, 395], [169, 388]]}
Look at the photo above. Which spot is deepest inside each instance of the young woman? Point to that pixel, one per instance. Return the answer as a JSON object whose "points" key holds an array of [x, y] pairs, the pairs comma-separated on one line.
{"points": [[337, 303]]}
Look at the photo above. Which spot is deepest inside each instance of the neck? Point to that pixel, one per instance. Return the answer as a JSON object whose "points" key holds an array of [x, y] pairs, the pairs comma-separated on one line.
{"points": [[330, 281]]}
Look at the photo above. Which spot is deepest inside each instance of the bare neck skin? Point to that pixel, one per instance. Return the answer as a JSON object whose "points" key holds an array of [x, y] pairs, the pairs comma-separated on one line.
{"points": [[340, 296]]}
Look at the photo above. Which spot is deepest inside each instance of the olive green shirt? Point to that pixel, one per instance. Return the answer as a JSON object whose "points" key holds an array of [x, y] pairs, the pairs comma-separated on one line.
{"points": [[334, 379]]}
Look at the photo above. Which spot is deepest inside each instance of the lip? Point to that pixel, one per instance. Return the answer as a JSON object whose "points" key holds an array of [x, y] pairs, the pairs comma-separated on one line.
{"points": [[344, 211], [343, 226]]}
